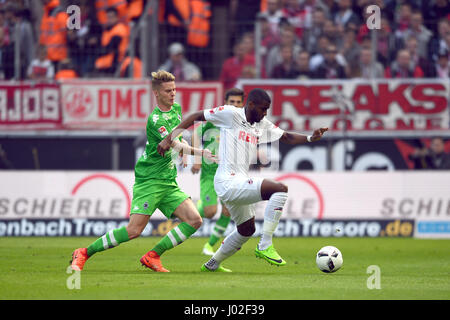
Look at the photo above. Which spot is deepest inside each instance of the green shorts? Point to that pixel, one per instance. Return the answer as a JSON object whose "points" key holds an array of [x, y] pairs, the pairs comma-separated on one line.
{"points": [[150, 195], [208, 194]]}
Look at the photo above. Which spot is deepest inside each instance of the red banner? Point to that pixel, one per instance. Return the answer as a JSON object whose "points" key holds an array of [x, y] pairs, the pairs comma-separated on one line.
{"points": [[29, 106], [360, 105], [355, 105]]}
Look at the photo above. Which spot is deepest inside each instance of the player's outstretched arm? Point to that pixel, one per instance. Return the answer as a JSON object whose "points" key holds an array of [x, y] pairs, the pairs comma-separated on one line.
{"points": [[166, 144], [290, 137]]}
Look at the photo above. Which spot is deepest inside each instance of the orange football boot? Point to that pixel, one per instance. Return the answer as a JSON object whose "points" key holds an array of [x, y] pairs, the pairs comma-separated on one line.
{"points": [[79, 257], [152, 260]]}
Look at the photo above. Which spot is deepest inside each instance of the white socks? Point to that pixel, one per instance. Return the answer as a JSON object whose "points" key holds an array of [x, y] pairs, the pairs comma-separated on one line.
{"points": [[272, 216], [235, 240], [232, 243]]}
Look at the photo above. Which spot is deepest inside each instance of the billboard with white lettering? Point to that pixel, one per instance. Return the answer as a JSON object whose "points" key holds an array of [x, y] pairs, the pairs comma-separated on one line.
{"points": [[357, 105], [318, 203]]}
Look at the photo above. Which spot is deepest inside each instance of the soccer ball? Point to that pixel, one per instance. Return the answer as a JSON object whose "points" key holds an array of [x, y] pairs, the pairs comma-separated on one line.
{"points": [[329, 259]]}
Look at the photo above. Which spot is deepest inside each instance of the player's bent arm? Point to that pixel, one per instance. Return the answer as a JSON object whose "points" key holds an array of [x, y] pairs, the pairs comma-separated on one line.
{"points": [[290, 137], [166, 144], [185, 148], [196, 143]]}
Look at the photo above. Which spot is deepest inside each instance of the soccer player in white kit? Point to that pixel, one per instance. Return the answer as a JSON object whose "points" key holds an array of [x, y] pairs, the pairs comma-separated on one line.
{"points": [[241, 130]]}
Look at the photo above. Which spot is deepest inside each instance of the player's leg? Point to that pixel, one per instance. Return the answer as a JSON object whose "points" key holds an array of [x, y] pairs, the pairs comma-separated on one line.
{"points": [[209, 201], [207, 204], [232, 243], [276, 193], [179, 204], [191, 221], [220, 227], [143, 195], [109, 240], [239, 195]]}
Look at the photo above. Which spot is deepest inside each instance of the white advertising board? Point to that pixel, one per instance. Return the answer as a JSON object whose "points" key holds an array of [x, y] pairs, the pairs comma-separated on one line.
{"points": [[423, 197]]}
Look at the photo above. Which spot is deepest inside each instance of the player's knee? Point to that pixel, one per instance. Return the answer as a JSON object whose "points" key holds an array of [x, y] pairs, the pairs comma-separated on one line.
{"points": [[196, 222], [133, 232], [247, 229], [210, 211], [283, 187]]}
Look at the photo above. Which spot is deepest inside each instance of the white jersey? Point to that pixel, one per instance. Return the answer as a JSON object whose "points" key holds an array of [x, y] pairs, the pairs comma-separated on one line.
{"points": [[239, 139]]}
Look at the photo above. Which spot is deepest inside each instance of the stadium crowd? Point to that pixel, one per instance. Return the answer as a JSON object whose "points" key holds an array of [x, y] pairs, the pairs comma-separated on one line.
{"points": [[318, 39]]}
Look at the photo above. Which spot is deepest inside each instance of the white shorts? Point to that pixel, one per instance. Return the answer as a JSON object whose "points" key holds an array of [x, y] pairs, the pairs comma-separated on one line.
{"points": [[239, 194]]}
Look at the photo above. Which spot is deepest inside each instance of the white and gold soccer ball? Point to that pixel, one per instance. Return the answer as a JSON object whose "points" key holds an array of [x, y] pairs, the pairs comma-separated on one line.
{"points": [[329, 259]]}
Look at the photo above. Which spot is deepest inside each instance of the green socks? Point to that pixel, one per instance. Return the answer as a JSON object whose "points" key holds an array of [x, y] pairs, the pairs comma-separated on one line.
{"points": [[109, 240], [219, 229], [200, 208], [174, 237]]}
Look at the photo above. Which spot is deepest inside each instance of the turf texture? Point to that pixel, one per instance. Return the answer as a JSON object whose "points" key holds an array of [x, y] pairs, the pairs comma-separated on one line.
{"points": [[409, 269]]}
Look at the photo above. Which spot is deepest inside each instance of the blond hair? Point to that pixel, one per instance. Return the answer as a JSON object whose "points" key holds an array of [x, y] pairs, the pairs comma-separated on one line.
{"points": [[161, 76]]}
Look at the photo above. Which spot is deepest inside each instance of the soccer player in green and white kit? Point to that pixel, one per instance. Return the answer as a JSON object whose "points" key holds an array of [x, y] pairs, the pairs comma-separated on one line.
{"points": [[207, 205], [155, 185]]}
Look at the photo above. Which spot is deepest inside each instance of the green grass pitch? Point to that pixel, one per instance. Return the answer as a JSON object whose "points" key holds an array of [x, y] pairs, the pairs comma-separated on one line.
{"points": [[36, 268]]}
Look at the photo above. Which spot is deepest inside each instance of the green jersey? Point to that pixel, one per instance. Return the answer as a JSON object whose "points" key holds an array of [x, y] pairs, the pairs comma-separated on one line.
{"points": [[151, 165], [209, 134]]}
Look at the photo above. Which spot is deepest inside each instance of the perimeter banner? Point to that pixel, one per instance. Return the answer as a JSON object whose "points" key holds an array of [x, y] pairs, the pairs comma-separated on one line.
{"points": [[318, 203], [347, 106], [357, 105], [93, 105], [30, 105], [126, 105]]}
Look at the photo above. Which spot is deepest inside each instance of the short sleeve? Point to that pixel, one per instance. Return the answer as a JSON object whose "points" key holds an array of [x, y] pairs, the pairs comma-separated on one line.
{"points": [[221, 117], [270, 132]]}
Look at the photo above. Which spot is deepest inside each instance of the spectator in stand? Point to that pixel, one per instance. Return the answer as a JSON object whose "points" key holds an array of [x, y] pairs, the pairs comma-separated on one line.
{"points": [[66, 70], [420, 32], [174, 17], [6, 56], [330, 7], [302, 65], [53, 31], [285, 69], [21, 19], [84, 42], [273, 15], [311, 34], [436, 10], [135, 9], [287, 38], [345, 15], [403, 67], [350, 50], [322, 44], [269, 39], [179, 66], [386, 41], [403, 19], [114, 44], [442, 66], [3, 24], [133, 66], [102, 7], [438, 42], [295, 15], [368, 69], [233, 66], [334, 34], [41, 68], [411, 44], [432, 158], [330, 68]]}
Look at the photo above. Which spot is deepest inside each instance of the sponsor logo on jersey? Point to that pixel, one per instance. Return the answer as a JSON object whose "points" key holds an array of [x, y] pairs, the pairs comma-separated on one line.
{"points": [[163, 131]]}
